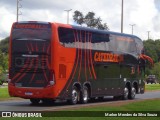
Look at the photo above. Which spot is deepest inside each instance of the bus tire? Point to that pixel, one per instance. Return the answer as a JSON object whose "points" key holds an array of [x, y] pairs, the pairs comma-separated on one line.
{"points": [[125, 94], [74, 96], [35, 101], [132, 93], [84, 95]]}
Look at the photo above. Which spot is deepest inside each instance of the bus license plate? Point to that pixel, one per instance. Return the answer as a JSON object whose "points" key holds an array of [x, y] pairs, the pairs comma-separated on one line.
{"points": [[28, 93]]}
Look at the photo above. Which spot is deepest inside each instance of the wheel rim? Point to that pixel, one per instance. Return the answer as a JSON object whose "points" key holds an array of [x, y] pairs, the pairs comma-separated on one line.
{"points": [[85, 95], [126, 92], [133, 92], [74, 96]]}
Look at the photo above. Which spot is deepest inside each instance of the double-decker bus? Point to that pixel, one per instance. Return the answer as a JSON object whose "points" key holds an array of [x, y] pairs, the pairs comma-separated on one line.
{"points": [[50, 61]]}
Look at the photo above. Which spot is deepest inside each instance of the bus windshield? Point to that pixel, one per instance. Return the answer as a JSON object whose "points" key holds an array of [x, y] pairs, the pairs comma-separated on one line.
{"points": [[24, 34], [31, 54]]}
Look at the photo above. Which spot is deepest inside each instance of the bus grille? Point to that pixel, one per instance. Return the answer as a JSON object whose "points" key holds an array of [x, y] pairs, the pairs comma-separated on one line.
{"points": [[30, 64]]}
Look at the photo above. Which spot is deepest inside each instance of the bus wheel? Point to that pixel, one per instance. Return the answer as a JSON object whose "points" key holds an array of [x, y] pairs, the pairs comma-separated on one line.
{"points": [[132, 93], [84, 95], [75, 96], [125, 94], [35, 101]]}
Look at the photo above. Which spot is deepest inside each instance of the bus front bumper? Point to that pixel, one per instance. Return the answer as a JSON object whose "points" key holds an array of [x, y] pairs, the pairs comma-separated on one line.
{"points": [[28, 93]]}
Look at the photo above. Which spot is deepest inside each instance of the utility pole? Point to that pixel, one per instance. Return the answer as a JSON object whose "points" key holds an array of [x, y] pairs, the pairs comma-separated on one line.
{"points": [[18, 8], [122, 17], [68, 15], [132, 25], [148, 35]]}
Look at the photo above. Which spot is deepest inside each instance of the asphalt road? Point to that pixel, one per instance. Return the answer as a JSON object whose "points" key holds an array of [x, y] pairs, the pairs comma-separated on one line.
{"points": [[25, 105]]}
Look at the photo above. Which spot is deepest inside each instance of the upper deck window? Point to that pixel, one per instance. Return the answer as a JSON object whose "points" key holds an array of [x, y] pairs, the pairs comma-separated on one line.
{"points": [[31, 31], [76, 38]]}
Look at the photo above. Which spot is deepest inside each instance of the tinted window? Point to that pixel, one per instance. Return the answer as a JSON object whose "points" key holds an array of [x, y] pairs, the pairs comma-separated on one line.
{"points": [[99, 41], [123, 44], [31, 31], [83, 39]]}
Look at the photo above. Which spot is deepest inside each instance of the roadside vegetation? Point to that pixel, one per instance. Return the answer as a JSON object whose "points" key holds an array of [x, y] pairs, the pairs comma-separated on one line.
{"points": [[4, 93], [152, 87], [136, 106]]}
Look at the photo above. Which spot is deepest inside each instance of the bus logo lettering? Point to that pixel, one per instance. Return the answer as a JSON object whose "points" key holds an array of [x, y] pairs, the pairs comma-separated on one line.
{"points": [[107, 57]]}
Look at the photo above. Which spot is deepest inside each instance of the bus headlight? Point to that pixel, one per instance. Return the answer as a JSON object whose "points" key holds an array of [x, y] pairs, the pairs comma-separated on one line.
{"points": [[51, 82]]}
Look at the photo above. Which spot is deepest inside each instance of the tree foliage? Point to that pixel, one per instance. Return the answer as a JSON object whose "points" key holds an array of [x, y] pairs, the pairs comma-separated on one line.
{"points": [[89, 20], [152, 49], [156, 70], [4, 45], [3, 62]]}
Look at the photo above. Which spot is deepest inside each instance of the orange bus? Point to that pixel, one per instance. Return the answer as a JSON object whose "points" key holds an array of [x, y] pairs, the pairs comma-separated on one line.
{"points": [[50, 61]]}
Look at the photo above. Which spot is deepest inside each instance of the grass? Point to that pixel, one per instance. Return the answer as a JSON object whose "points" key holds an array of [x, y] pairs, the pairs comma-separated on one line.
{"points": [[4, 93], [151, 87], [145, 105]]}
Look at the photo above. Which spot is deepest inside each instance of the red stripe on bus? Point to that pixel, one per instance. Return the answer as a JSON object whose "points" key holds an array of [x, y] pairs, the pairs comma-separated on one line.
{"points": [[92, 61], [73, 75], [36, 67], [88, 55], [43, 59], [80, 49], [85, 57], [24, 67]]}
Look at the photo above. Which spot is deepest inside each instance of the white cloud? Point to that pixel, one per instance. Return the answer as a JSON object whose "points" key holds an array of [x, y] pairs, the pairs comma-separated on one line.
{"points": [[142, 16], [143, 13], [7, 18]]}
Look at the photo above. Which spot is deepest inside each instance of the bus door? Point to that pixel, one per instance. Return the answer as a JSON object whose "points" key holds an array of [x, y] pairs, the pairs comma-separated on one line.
{"points": [[108, 77]]}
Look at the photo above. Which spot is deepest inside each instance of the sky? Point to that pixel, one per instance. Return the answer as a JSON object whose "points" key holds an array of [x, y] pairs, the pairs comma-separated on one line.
{"points": [[145, 14]]}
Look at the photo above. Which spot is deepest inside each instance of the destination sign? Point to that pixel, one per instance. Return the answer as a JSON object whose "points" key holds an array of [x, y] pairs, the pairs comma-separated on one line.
{"points": [[31, 25], [107, 57]]}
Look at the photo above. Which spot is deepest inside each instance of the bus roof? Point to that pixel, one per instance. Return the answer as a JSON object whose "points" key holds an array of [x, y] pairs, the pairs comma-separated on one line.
{"points": [[105, 31], [84, 28]]}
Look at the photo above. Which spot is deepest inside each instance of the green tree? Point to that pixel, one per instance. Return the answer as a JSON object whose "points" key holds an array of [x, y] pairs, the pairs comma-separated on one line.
{"points": [[3, 62], [4, 45], [156, 70], [78, 17], [89, 20], [151, 49]]}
